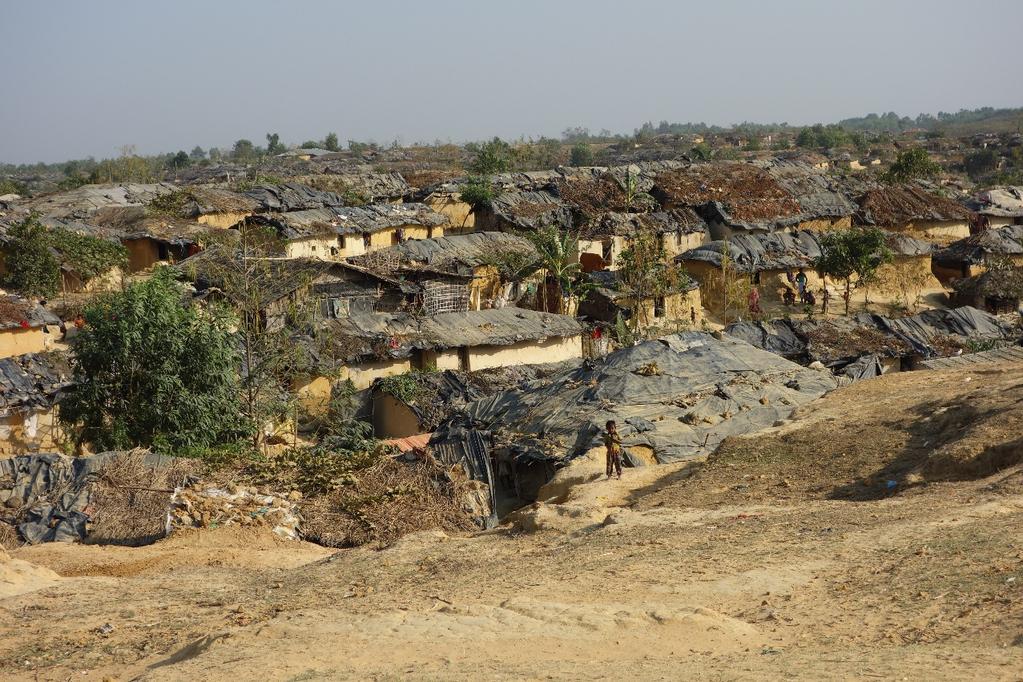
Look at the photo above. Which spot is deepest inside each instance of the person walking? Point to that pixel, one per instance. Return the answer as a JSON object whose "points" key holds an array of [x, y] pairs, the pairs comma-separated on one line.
{"points": [[614, 449], [801, 285]]}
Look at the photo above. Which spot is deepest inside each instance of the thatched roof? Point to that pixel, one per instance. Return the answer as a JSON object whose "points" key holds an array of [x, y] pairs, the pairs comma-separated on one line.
{"points": [[134, 222], [897, 206], [737, 194]]}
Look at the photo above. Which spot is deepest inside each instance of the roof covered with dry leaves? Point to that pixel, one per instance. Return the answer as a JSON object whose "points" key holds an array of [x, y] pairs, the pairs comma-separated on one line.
{"points": [[897, 206]]}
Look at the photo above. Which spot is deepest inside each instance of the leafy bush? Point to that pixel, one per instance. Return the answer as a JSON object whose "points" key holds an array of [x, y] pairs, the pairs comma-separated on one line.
{"points": [[12, 186], [87, 256], [32, 268], [35, 256], [582, 155], [912, 164], [152, 372], [478, 192], [490, 157]]}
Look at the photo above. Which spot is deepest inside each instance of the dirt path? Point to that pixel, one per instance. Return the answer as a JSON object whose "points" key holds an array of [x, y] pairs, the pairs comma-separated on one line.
{"points": [[671, 573]]}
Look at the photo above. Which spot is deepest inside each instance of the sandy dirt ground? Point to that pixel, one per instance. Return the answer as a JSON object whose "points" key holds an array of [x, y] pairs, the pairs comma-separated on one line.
{"points": [[788, 555]]}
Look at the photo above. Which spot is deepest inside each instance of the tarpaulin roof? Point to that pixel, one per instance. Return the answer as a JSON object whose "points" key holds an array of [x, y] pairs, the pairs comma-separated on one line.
{"points": [[925, 329], [457, 253], [759, 251], [83, 201], [532, 210], [680, 396], [52, 493], [365, 183], [754, 252], [345, 220], [1002, 202], [819, 195], [292, 197], [1001, 241], [17, 312], [838, 341], [401, 333], [841, 344], [32, 381], [279, 277]]}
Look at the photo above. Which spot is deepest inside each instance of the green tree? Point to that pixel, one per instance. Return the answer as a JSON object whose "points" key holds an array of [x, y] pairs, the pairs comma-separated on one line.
{"points": [[311, 144], [645, 273], [557, 253], [179, 160], [32, 266], [478, 192], [273, 144], [330, 142], [912, 164], [245, 270], [855, 251], [197, 153], [490, 157], [243, 150], [582, 155], [150, 371]]}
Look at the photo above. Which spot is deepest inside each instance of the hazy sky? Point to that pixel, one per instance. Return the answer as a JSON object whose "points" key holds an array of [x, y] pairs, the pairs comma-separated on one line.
{"points": [[84, 78]]}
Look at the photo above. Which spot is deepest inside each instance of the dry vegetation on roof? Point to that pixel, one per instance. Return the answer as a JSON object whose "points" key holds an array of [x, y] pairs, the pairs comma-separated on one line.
{"points": [[749, 193], [592, 196], [830, 341], [900, 205], [13, 311]]}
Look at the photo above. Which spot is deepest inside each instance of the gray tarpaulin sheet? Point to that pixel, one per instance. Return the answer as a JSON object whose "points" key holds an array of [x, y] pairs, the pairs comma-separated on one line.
{"points": [[680, 396], [49, 494]]}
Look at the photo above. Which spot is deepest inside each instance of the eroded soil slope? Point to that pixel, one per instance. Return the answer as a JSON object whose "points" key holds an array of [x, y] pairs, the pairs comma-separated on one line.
{"points": [[787, 556]]}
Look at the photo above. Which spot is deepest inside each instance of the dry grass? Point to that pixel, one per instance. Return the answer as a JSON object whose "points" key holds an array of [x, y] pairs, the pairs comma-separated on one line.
{"points": [[131, 498], [391, 499]]}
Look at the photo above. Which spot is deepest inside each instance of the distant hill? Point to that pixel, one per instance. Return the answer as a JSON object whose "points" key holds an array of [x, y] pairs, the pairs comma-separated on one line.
{"points": [[964, 122]]}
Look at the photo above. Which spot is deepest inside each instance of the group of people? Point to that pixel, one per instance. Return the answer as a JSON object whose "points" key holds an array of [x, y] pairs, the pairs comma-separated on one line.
{"points": [[802, 293]]}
